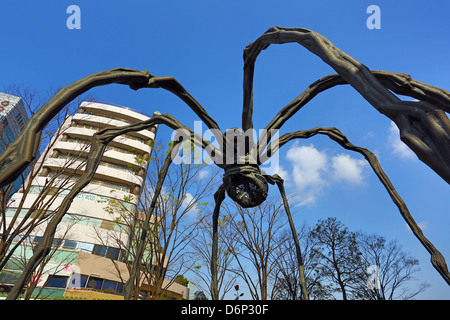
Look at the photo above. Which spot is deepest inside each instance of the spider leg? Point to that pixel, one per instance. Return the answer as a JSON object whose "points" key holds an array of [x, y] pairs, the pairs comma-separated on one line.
{"points": [[424, 128], [397, 82], [172, 85], [219, 196], [302, 280], [19, 154], [351, 70], [437, 259]]}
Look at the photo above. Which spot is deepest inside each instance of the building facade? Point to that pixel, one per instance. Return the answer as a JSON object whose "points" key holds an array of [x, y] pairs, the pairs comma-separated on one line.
{"points": [[12, 119], [95, 230]]}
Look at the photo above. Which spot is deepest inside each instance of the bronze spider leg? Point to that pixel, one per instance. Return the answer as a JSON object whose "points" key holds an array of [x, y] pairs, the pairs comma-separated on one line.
{"points": [[172, 85], [423, 125], [23, 151], [302, 280], [98, 146], [397, 82], [437, 259], [19, 154], [219, 196]]}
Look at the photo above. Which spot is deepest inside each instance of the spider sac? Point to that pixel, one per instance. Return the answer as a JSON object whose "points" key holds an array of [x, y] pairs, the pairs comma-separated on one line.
{"points": [[243, 178]]}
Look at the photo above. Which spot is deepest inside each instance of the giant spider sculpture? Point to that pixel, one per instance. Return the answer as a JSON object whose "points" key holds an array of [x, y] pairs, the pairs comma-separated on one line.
{"points": [[423, 125]]}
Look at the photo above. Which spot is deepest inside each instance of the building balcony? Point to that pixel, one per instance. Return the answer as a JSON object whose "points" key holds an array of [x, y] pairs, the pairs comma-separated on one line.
{"points": [[113, 111], [104, 172], [122, 142], [104, 122], [110, 155], [100, 188]]}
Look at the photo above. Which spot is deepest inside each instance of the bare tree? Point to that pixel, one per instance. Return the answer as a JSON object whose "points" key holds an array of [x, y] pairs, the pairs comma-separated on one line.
{"points": [[177, 216], [390, 270], [178, 213], [257, 232], [339, 255], [20, 223], [52, 265], [24, 214], [286, 280], [21, 215], [128, 225], [202, 251]]}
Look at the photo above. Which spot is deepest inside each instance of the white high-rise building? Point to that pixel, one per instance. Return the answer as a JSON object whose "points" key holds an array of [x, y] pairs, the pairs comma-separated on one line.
{"points": [[90, 236]]}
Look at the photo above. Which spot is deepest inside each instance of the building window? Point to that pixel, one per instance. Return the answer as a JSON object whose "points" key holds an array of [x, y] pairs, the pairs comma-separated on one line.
{"points": [[109, 286], [94, 283], [113, 253], [99, 250], [57, 243], [108, 252], [91, 282], [78, 281], [86, 247], [19, 120], [119, 288], [14, 264], [9, 277], [57, 282], [70, 244]]}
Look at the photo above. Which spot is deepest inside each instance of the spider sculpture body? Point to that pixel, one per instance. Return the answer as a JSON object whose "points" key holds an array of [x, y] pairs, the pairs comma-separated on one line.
{"points": [[423, 125]]}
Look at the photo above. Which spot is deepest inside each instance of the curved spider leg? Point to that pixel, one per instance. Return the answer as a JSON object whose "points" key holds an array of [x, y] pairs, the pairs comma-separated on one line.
{"points": [[172, 85], [219, 196], [403, 84], [437, 259], [351, 70], [19, 154], [302, 280], [295, 105], [425, 128], [397, 82], [130, 285], [98, 146]]}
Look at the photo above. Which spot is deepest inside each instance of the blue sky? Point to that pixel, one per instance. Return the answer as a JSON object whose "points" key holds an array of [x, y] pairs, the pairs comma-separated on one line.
{"points": [[200, 43]]}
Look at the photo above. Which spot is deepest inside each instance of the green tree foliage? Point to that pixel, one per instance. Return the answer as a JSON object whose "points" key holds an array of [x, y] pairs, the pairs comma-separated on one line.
{"points": [[181, 280]]}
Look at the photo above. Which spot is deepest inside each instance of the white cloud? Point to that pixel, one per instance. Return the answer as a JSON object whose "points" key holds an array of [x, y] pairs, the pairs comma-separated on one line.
{"points": [[202, 174], [308, 165], [423, 225], [347, 169], [369, 135], [398, 146], [305, 198], [313, 170]]}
